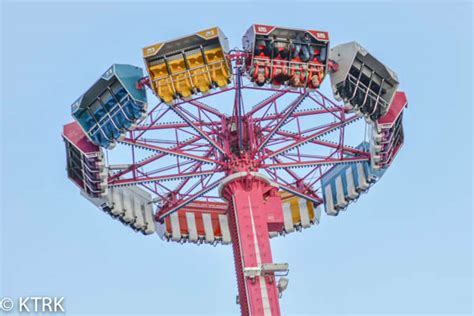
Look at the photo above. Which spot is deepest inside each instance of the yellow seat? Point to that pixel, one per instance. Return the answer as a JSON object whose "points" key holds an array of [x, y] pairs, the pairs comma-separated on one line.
{"points": [[165, 90], [217, 66], [199, 73], [181, 80], [161, 82]]}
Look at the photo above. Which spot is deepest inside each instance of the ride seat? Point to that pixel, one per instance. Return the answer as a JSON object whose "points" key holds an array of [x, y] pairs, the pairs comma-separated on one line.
{"points": [[200, 75], [298, 212], [217, 66], [161, 82], [181, 80]]}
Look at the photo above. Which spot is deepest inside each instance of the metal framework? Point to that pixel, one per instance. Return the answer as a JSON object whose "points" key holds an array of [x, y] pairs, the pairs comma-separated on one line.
{"points": [[192, 151]]}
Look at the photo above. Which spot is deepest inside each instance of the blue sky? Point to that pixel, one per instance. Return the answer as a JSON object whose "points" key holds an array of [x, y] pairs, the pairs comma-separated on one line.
{"points": [[404, 248]]}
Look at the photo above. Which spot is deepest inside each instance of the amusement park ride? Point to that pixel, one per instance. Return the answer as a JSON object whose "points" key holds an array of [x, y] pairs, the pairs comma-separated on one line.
{"points": [[202, 167]]}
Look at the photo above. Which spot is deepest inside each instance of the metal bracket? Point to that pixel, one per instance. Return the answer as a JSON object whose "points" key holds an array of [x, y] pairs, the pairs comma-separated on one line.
{"points": [[266, 269]]}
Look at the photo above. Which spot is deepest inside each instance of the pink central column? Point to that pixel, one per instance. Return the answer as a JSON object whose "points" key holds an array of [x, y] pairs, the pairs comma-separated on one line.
{"points": [[258, 294]]}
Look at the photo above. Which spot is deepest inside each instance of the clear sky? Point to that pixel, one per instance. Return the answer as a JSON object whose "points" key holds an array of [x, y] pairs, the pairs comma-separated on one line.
{"points": [[406, 247]]}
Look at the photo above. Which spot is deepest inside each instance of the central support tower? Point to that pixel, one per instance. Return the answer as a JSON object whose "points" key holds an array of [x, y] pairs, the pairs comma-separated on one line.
{"points": [[252, 201]]}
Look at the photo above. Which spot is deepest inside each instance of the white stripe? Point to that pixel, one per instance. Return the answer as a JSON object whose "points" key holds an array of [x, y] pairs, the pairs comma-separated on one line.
{"points": [[341, 200], [288, 218], [137, 212], [127, 215], [273, 234], [117, 200], [224, 228], [351, 191], [175, 229], [192, 229], [263, 287], [363, 185], [329, 203], [304, 213], [150, 225], [206, 218], [241, 253]]}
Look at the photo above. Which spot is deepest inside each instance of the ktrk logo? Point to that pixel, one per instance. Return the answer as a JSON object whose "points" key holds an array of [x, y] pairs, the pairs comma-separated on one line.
{"points": [[33, 304]]}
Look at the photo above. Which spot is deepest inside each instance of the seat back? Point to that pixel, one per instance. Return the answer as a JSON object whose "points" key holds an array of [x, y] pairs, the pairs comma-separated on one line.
{"points": [[111, 106]]}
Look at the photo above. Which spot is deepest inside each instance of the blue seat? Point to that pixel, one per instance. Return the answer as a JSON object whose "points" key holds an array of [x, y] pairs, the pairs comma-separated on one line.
{"points": [[85, 120], [110, 129], [131, 108], [97, 137], [121, 118]]}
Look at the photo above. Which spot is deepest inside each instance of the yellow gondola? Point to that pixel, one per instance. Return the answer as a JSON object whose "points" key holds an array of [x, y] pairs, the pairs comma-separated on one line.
{"points": [[188, 65]]}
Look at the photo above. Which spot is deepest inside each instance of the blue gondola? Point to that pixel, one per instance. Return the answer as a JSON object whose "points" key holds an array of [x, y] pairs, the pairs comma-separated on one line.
{"points": [[112, 105], [345, 182]]}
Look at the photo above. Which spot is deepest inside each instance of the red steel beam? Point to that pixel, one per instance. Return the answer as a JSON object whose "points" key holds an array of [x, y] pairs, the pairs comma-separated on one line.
{"points": [[306, 139], [169, 177], [172, 152], [151, 159], [314, 163]]}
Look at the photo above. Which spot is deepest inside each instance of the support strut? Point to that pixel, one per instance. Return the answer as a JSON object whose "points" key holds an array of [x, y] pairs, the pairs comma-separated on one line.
{"points": [[258, 294]]}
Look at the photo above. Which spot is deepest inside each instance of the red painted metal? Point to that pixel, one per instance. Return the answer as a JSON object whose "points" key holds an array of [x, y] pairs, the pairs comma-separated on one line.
{"points": [[396, 108], [76, 136], [258, 294]]}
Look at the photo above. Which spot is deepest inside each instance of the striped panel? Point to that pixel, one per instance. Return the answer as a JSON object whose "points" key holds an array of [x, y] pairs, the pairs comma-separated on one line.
{"points": [[192, 229], [224, 224], [117, 208], [175, 228], [288, 217], [351, 190], [340, 197], [127, 215], [297, 212], [137, 213], [207, 220], [304, 213], [361, 177], [329, 202], [149, 220]]}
